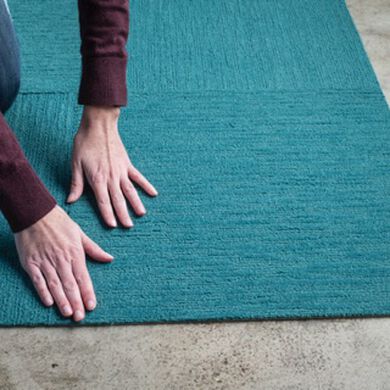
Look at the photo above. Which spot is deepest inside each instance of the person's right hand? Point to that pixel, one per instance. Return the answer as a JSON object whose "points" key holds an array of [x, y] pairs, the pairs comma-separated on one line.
{"points": [[52, 252]]}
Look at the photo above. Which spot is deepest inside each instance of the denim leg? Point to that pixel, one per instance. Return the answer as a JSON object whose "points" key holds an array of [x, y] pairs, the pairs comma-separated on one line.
{"points": [[9, 59]]}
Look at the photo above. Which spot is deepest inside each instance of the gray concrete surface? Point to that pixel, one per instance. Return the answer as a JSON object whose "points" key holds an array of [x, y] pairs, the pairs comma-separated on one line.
{"points": [[310, 354]]}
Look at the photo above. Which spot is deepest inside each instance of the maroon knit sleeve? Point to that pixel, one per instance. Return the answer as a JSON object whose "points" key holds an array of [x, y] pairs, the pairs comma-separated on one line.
{"points": [[104, 29], [23, 197]]}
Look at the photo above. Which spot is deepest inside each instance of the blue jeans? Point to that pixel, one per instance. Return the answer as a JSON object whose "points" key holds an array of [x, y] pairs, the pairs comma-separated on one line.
{"points": [[9, 59]]}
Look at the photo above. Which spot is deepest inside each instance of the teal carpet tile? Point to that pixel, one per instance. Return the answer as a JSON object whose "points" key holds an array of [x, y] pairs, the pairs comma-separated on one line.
{"points": [[264, 129]]}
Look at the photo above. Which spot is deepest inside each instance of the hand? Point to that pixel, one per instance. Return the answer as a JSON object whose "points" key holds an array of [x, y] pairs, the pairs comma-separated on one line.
{"points": [[52, 252], [99, 154]]}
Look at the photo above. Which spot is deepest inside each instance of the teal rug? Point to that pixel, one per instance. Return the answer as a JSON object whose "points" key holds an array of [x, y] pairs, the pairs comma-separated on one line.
{"points": [[264, 129]]}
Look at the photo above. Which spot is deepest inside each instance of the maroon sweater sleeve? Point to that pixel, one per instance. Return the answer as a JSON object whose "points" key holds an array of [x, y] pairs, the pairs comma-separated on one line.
{"points": [[104, 29], [23, 197]]}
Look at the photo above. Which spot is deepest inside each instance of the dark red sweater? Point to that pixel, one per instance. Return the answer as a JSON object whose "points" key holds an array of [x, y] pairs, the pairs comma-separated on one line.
{"points": [[104, 28]]}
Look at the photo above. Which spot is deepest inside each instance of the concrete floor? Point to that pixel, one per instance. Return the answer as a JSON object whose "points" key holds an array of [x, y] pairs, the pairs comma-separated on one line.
{"points": [[310, 354]]}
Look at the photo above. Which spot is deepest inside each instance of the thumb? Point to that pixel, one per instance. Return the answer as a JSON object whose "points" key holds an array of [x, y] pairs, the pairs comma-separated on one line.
{"points": [[77, 184], [94, 251]]}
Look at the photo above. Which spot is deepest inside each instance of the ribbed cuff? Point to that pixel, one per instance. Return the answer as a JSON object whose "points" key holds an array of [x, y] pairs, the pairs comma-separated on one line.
{"points": [[23, 198], [103, 81]]}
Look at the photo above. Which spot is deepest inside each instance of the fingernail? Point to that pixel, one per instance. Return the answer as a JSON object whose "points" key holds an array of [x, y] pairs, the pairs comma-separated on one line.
{"points": [[67, 310], [78, 315], [142, 210], [91, 304], [113, 223], [49, 301]]}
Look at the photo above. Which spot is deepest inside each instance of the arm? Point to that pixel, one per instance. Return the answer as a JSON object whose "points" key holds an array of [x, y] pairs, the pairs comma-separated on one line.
{"points": [[98, 151], [23, 197]]}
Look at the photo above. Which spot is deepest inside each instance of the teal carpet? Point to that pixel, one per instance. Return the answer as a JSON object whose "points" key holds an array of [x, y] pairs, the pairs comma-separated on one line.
{"points": [[264, 129]]}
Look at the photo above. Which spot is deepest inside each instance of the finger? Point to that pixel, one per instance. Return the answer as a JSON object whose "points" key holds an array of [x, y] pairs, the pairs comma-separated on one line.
{"points": [[136, 176], [55, 286], [40, 285], [71, 288], [120, 206], [94, 251], [77, 184], [132, 196], [104, 203], [81, 274]]}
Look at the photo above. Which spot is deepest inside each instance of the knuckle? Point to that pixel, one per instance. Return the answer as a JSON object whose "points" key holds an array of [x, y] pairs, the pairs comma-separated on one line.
{"points": [[31, 261], [42, 292], [79, 274], [113, 175], [98, 177], [27, 267], [68, 286], [36, 279], [82, 281], [74, 252], [64, 263], [117, 198], [80, 271], [129, 188], [102, 201], [53, 284]]}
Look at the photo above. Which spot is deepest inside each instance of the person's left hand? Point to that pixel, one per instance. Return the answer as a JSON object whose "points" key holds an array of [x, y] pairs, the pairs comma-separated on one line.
{"points": [[100, 156]]}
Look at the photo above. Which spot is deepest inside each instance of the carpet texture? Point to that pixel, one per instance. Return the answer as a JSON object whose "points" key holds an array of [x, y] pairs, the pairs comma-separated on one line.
{"points": [[263, 127]]}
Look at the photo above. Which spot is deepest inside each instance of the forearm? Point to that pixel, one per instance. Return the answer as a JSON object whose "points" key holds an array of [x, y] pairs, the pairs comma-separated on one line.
{"points": [[23, 197]]}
